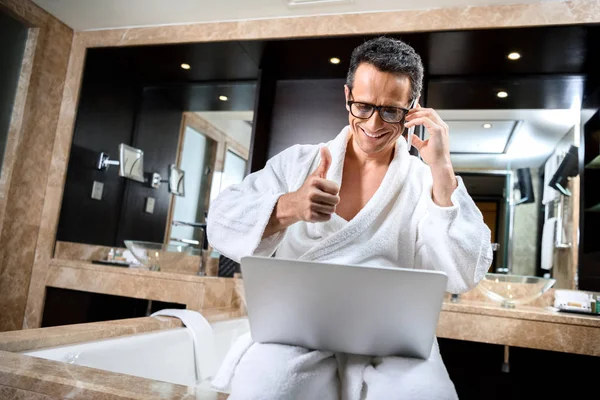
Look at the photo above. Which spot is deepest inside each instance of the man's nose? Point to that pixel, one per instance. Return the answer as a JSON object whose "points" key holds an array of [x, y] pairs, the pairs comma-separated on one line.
{"points": [[375, 122]]}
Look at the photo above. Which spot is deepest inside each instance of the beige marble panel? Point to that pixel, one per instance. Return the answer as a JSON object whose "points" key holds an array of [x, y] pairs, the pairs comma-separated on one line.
{"points": [[14, 135], [541, 314], [64, 380], [25, 193], [218, 293], [113, 281], [11, 393], [27, 11], [80, 251], [520, 332], [547, 13], [31, 339]]}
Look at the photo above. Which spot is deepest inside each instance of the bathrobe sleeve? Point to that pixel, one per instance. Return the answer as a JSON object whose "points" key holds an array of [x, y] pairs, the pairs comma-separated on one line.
{"points": [[238, 216], [454, 240]]}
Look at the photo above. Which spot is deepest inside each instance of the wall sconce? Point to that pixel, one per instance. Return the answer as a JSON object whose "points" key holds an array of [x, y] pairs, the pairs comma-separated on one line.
{"points": [[131, 162], [176, 180]]}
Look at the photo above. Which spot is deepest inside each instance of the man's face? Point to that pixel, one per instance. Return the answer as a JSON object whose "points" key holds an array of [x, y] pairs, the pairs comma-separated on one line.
{"points": [[372, 86]]}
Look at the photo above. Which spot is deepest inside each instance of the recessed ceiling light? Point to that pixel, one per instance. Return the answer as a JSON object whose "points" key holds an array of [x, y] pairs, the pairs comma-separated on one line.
{"points": [[334, 60], [223, 98], [185, 66], [514, 56], [487, 126], [502, 94]]}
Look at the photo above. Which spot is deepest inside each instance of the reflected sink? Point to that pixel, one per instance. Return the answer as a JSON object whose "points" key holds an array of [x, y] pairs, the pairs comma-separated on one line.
{"points": [[510, 290], [157, 256]]}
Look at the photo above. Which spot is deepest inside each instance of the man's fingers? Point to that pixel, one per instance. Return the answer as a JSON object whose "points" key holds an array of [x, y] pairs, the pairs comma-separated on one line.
{"points": [[417, 142], [322, 208], [426, 113], [431, 126], [327, 199], [327, 186], [319, 217], [325, 163]]}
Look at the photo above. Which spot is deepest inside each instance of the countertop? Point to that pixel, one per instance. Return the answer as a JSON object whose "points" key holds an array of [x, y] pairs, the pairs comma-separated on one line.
{"points": [[27, 377]]}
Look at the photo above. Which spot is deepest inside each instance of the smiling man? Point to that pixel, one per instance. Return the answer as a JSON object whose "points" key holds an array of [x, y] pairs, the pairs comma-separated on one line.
{"points": [[359, 199]]}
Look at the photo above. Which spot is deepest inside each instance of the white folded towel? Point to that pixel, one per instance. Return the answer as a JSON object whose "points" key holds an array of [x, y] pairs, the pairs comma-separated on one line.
{"points": [[548, 237], [203, 338]]}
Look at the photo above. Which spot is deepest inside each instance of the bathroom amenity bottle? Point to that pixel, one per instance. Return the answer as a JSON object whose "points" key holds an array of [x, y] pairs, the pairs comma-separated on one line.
{"points": [[593, 304]]}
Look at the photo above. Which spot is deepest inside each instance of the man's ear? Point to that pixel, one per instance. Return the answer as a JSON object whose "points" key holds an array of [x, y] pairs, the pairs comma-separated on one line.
{"points": [[347, 94]]}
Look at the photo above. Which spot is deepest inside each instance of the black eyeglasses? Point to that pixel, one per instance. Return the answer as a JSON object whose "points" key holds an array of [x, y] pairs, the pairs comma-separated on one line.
{"points": [[392, 115]]}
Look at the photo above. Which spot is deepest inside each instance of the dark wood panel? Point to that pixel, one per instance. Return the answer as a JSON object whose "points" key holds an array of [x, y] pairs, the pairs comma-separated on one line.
{"points": [[550, 50], [589, 220], [309, 58], [157, 134], [66, 307], [261, 124], [209, 61], [105, 118], [306, 112], [476, 371], [480, 93], [205, 97]]}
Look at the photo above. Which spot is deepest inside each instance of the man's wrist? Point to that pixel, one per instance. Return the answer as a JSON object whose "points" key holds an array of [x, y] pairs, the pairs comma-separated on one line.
{"points": [[444, 183], [285, 211]]}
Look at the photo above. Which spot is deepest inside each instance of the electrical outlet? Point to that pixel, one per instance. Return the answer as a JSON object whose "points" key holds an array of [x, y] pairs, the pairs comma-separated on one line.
{"points": [[97, 189], [150, 205]]}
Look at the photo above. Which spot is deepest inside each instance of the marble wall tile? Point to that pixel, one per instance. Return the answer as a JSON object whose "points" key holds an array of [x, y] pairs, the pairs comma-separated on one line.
{"points": [[16, 122], [26, 192], [11, 393], [26, 11], [113, 281], [80, 251], [218, 293], [64, 380], [519, 332], [546, 13], [31, 339]]}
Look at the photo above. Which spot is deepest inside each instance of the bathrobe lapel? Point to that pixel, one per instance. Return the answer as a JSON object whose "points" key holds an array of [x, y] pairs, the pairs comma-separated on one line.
{"points": [[337, 234]]}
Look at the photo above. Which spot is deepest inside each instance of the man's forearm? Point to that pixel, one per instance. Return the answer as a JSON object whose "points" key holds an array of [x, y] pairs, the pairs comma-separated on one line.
{"points": [[444, 184], [282, 216]]}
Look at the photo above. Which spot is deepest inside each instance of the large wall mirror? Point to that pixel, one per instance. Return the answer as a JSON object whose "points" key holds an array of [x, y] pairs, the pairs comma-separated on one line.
{"points": [[519, 103]]}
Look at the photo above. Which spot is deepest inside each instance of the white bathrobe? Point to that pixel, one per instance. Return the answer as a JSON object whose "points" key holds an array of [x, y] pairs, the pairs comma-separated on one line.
{"points": [[400, 226]]}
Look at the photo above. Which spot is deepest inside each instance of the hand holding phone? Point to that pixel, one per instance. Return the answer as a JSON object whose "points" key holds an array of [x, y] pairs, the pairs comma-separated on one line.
{"points": [[411, 130]]}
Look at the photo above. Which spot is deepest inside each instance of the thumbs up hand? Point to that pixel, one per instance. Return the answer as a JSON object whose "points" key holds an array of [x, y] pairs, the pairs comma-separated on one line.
{"points": [[317, 198]]}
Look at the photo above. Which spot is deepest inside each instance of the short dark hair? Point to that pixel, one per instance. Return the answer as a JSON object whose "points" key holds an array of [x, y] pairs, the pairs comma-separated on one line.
{"points": [[389, 55]]}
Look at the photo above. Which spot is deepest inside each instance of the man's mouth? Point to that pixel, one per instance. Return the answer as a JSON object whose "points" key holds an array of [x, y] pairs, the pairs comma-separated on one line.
{"points": [[370, 135]]}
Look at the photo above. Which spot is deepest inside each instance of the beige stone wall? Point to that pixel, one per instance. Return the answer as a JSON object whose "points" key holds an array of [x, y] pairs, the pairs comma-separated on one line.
{"points": [[29, 153]]}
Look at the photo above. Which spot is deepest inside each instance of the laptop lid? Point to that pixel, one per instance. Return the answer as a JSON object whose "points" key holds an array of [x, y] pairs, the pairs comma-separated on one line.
{"points": [[378, 311]]}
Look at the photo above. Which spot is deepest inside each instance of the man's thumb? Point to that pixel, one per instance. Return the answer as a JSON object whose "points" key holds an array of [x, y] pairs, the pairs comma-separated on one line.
{"points": [[323, 167]]}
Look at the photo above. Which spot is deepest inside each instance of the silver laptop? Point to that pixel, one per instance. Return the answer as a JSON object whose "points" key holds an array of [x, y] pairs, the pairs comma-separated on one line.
{"points": [[377, 311]]}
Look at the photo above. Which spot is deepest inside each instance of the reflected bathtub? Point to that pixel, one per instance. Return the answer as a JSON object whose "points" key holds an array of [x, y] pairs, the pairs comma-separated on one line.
{"points": [[166, 355]]}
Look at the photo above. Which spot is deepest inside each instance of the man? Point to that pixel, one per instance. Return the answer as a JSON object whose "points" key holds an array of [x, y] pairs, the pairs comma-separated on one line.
{"points": [[358, 199]]}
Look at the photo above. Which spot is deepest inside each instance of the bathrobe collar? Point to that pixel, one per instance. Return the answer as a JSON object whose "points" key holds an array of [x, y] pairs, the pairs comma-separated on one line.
{"points": [[393, 181]]}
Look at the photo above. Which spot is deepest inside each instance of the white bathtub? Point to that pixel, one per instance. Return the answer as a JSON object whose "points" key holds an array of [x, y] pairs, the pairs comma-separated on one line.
{"points": [[166, 356]]}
